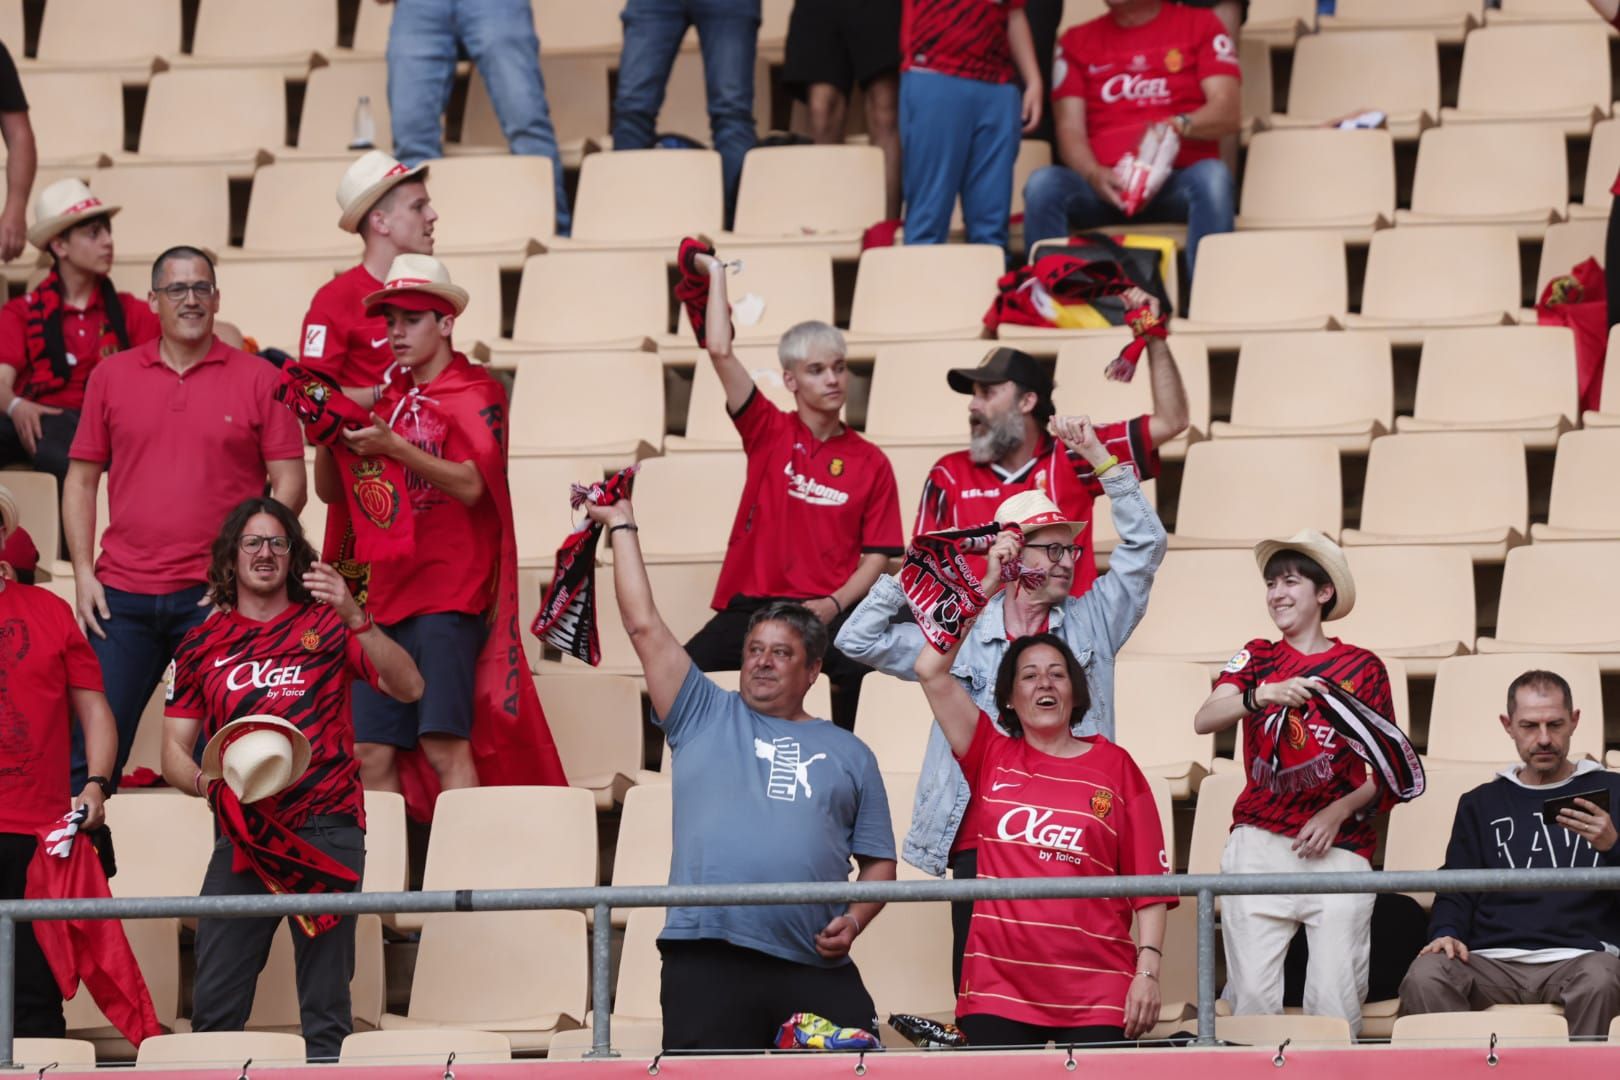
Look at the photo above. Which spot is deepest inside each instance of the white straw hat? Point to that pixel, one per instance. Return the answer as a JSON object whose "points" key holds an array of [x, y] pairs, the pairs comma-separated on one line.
{"points": [[371, 177], [1031, 510], [1326, 554], [418, 274], [63, 205], [257, 756]]}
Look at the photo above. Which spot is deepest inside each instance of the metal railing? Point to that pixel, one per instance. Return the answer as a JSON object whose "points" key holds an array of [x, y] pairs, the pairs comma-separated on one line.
{"points": [[602, 900]]}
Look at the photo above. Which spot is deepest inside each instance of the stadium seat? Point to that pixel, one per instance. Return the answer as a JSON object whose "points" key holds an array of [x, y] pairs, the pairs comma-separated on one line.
{"points": [[162, 203], [1335, 75], [1609, 390], [576, 90], [326, 124], [164, 844], [156, 945], [1319, 178], [596, 723], [221, 115], [708, 423], [1560, 598], [1444, 275], [371, 26], [646, 199], [1567, 245], [1212, 819], [1154, 703], [1540, 11], [1602, 163], [1467, 489], [1419, 830], [541, 516], [268, 298], [1470, 693], [906, 965], [1205, 606], [912, 464], [1307, 284], [559, 410], [565, 303], [633, 1040], [477, 970], [77, 116], [424, 1047], [1339, 388], [894, 720], [123, 37], [1555, 73], [910, 403], [293, 212], [1386, 621], [645, 824], [44, 1053], [493, 204], [387, 861], [571, 27], [1519, 380], [923, 293], [637, 1018], [38, 510], [795, 283], [685, 505], [1491, 174], [223, 1049], [1081, 387], [1278, 22], [1477, 1029], [1298, 1030], [1585, 504], [1102, 536], [283, 35], [1448, 20], [1218, 508]]}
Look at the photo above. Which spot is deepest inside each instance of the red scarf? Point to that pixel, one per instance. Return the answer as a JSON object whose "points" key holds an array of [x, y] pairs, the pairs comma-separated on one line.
{"points": [[283, 860], [943, 594], [42, 337], [567, 618], [692, 286], [1580, 301]]}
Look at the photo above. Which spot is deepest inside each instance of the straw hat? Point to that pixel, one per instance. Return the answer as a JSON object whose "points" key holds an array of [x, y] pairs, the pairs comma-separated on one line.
{"points": [[1326, 554], [371, 177], [8, 511], [63, 205], [1031, 510], [417, 276], [257, 756]]}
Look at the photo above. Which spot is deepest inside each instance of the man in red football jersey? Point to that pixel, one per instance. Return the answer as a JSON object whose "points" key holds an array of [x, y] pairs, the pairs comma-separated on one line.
{"points": [[286, 640], [1011, 449]]}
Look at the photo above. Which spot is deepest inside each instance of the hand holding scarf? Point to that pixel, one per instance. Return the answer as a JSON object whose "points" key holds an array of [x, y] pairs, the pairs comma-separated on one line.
{"points": [[567, 618]]}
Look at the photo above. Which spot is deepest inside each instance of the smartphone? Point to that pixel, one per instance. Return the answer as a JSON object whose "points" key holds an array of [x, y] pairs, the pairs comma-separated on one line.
{"points": [[1550, 808]]}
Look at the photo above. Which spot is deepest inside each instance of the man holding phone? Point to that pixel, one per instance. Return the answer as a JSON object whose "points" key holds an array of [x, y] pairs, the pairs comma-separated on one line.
{"points": [[1541, 947]]}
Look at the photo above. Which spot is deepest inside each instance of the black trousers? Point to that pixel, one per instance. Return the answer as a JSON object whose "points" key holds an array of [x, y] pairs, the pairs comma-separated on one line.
{"points": [[39, 1001], [718, 996], [232, 952], [985, 1030], [719, 645], [50, 453]]}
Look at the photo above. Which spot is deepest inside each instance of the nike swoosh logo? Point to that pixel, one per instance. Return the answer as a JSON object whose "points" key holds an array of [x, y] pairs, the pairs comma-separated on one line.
{"points": [[998, 787], [225, 660], [379, 343], [1098, 69]]}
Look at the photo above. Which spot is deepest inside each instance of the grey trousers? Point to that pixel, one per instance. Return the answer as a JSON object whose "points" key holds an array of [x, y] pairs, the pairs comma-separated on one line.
{"points": [[1588, 987]]}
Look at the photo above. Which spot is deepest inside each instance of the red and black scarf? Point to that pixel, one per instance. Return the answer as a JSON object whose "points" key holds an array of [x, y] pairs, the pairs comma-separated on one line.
{"points": [[283, 860], [1286, 761], [944, 595], [567, 619], [43, 340], [692, 288]]}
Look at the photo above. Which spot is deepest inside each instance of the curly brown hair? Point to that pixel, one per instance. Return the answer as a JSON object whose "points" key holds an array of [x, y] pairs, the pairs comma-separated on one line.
{"points": [[222, 558]]}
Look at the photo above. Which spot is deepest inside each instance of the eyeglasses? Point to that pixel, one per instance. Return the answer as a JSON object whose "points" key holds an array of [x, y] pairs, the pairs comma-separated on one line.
{"points": [[177, 292], [1055, 552], [279, 545]]}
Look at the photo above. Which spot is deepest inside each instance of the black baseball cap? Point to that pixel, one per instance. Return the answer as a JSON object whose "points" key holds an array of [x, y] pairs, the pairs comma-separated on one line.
{"points": [[1001, 365]]}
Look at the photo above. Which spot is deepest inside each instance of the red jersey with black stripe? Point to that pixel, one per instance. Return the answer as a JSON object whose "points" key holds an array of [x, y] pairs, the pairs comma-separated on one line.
{"points": [[1270, 801], [965, 38], [298, 666], [960, 494]]}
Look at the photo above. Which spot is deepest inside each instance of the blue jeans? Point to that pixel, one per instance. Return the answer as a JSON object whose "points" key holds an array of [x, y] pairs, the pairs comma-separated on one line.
{"points": [[499, 36], [728, 33], [1058, 203], [142, 633], [957, 137]]}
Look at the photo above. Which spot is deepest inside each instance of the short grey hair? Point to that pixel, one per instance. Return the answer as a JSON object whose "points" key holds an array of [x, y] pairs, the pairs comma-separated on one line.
{"points": [[805, 338], [811, 630]]}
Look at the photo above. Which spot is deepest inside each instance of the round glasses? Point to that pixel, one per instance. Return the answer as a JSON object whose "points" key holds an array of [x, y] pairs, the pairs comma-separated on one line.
{"points": [[1055, 552], [279, 545]]}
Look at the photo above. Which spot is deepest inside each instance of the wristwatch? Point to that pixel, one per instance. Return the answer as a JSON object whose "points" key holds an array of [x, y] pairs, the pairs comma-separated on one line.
{"points": [[101, 782], [1183, 123]]}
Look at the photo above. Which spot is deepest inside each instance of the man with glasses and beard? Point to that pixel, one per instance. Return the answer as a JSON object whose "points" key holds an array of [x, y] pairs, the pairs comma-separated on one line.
{"points": [[185, 427]]}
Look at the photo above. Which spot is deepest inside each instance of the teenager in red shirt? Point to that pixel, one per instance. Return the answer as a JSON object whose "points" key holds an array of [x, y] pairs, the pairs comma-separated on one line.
{"points": [[820, 514], [1143, 62], [286, 640], [1011, 448], [54, 336], [1049, 803]]}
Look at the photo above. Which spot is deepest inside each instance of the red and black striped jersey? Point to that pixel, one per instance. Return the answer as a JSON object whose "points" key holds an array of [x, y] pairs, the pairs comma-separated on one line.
{"points": [[965, 38], [298, 666]]}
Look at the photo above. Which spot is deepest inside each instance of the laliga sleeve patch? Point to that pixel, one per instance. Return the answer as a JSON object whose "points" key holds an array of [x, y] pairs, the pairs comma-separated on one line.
{"points": [[315, 341], [1239, 661], [168, 683]]}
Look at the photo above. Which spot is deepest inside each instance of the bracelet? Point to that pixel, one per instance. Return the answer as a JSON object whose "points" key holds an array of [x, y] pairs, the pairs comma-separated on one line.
{"points": [[851, 916], [836, 604], [367, 625], [1152, 948], [1109, 463], [103, 783], [13, 403], [1149, 974], [1250, 705], [615, 528], [197, 783], [377, 393]]}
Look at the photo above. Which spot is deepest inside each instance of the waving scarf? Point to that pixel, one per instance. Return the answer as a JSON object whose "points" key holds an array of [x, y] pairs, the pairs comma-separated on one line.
{"points": [[1287, 761], [567, 618], [943, 594], [279, 857], [42, 336]]}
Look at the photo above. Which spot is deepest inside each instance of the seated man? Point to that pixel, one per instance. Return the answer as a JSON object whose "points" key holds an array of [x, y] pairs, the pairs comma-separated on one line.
{"points": [[1142, 63], [1523, 948]]}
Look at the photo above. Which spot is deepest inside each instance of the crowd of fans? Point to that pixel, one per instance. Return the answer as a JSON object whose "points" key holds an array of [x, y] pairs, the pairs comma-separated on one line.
{"points": [[301, 671]]}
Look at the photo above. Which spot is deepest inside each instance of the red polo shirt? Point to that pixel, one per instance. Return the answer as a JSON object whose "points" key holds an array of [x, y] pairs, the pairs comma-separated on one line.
{"points": [[809, 509], [338, 340], [181, 452], [82, 332]]}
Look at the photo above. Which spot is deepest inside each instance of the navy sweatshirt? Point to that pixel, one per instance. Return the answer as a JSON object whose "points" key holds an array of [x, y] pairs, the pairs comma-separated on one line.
{"points": [[1499, 824]]}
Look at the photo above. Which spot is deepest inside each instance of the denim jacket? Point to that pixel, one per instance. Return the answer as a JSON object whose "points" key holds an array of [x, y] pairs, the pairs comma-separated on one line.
{"points": [[1095, 626]]}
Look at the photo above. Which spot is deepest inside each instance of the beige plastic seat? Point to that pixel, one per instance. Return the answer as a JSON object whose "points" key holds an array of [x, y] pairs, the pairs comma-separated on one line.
{"points": [[38, 510], [633, 1040], [281, 35], [1308, 288], [570, 301], [541, 516], [268, 298], [1278, 22], [1467, 489], [224, 115], [1514, 379], [637, 1018], [894, 720], [163, 202], [1540, 11], [821, 195], [795, 283], [647, 199], [1320, 178], [293, 213], [1567, 245], [1609, 413], [1154, 703], [1432, 278], [1258, 95], [570, 27], [708, 423], [1351, 398], [1212, 819], [1386, 620], [424, 1047], [596, 722], [499, 204], [1475, 1029], [77, 116], [164, 844], [156, 946], [1081, 386], [387, 861], [225, 1049], [1494, 174], [1554, 73], [1299, 1030], [1585, 504], [1217, 507], [616, 429], [1560, 598], [906, 965], [1420, 830], [685, 505], [911, 403], [1205, 606], [1448, 20], [1602, 163], [1341, 74], [912, 464], [103, 35], [1470, 694], [576, 90], [39, 1053], [646, 824], [923, 293], [326, 125]]}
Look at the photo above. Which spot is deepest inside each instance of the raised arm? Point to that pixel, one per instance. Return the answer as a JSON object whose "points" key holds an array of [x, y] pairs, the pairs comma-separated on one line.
{"points": [[954, 709], [664, 662], [1170, 415], [397, 674], [733, 376], [871, 636]]}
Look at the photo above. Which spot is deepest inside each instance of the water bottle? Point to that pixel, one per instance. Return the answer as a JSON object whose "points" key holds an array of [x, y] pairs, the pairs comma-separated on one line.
{"points": [[365, 127]]}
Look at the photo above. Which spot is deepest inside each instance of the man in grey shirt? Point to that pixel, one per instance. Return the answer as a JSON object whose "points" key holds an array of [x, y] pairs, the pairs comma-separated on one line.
{"points": [[763, 792]]}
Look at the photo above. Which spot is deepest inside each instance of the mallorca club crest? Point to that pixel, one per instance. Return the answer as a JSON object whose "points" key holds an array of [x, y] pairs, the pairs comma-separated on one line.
{"points": [[1174, 61], [377, 495], [1102, 803], [310, 641], [1294, 731]]}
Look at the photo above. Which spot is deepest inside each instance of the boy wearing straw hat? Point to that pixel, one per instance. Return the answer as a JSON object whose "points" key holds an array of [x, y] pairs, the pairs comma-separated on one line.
{"points": [[55, 335]]}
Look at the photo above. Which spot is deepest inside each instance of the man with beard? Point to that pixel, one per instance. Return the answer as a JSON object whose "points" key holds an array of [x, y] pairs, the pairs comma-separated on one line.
{"points": [[1011, 448]]}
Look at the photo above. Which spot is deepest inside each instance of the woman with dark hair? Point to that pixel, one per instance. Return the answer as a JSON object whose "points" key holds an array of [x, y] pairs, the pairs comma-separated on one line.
{"points": [[1050, 803]]}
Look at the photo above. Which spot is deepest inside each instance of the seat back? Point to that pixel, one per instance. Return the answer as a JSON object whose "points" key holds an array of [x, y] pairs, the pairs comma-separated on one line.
{"points": [[249, 30], [387, 858], [1439, 484], [294, 208], [1470, 695], [1441, 271], [1568, 244], [907, 967], [1491, 169], [1602, 162], [910, 402], [541, 516], [1349, 378], [648, 195], [1385, 616], [214, 112], [796, 285], [426, 1046], [227, 1049], [564, 297], [1555, 594], [685, 504], [1509, 1027], [1212, 820], [918, 290], [268, 298], [595, 721], [1531, 69], [75, 115], [331, 97], [1497, 373], [1273, 1030], [1306, 490], [38, 510], [477, 970], [492, 200], [163, 202], [590, 418], [894, 719], [1584, 495], [1082, 386], [1319, 174], [1305, 272], [512, 838], [647, 820], [1204, 606], [1154, 703], [804, 190], [1396, 71], [87, 31]]}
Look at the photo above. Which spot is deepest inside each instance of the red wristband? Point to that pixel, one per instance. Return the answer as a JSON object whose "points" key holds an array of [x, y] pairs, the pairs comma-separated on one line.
{"points": [[367, 625], [1144, 323]]}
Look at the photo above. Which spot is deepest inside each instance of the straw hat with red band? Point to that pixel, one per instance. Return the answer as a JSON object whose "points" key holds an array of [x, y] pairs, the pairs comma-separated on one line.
{"points": [[1031, 510], [1326, 554], [63, 205], [8, 510], [257, 756], [418, 283], [371, 177]]}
